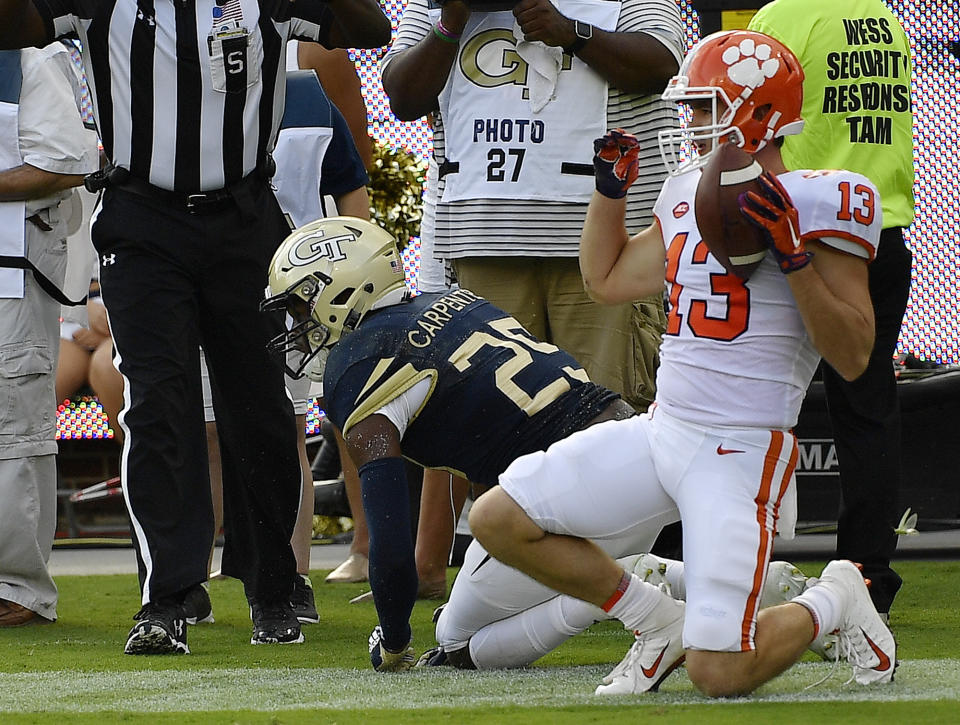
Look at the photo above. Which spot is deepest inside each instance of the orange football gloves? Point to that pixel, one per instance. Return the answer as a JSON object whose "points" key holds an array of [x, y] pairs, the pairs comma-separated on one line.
{"points": [[774, 214], [615, 162]]}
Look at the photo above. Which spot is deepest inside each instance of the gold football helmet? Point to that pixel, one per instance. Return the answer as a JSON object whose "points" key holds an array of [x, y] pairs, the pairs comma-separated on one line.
{"points": [[327, 275]]}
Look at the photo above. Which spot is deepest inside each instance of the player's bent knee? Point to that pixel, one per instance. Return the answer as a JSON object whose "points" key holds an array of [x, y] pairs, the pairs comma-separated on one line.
{"points": [[483, 519], [718, 674], [496, 521]]}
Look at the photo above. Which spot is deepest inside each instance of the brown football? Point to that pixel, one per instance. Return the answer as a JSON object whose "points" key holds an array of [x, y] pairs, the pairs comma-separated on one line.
{"points": [[730, 237]]}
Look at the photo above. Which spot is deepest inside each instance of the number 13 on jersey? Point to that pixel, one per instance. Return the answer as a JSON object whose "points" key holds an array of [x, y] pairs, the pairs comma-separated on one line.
{"points": [[700, 313]]}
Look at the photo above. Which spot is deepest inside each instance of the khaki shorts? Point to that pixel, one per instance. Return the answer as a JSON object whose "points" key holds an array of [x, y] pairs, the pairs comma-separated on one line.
{"points": [[618, 345]]}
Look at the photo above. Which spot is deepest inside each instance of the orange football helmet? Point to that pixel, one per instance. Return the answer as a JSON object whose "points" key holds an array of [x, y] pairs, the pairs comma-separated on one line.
{"points": [[754, 84]]}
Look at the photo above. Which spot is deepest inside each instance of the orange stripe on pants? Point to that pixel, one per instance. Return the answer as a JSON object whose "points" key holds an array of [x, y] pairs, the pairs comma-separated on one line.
{"points": [[772, 457]]}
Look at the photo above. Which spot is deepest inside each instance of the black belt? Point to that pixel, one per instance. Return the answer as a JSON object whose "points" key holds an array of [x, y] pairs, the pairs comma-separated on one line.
{"points": [[204, 202]]}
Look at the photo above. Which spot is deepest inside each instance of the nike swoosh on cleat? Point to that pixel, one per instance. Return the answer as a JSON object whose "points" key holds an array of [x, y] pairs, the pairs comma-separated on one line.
{"points": [[884, 663], [721, 451], [649, 672]]}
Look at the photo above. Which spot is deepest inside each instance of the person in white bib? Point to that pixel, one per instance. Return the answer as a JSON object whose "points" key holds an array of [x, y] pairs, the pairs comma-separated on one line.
{"points": [[44, 152]]}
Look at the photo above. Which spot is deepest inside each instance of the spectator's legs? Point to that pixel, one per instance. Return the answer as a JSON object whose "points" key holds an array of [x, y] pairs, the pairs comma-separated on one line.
{"points": [[512, 284], [216, 483], [72, 367], [441, 502], [618, 345], [28, 521], [30, 335], [107, 383], [356, 566], [303, 529]]}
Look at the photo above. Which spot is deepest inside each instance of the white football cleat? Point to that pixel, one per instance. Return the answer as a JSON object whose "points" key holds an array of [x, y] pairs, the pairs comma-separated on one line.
{"points": [[784, 581], [656, 652], [825, 644], [862, 637]]}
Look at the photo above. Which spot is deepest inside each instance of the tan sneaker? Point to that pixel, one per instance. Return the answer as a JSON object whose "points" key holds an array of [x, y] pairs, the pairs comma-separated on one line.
{"points": [[353, 570]]}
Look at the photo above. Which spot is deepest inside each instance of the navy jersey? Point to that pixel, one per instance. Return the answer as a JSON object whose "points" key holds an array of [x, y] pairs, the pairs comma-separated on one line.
{"points": [[496, 392]]}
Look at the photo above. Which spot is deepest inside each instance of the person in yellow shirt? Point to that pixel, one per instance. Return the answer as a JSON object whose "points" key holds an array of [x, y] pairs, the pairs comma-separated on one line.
{"points": [[856, 103]]}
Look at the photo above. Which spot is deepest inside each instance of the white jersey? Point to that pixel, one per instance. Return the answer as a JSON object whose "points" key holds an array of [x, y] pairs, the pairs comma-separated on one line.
{"points": [[737, 353]]}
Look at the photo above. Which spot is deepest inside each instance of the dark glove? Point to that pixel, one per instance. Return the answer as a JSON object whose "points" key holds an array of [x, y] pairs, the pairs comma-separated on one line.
{"points": [[615, 162], [774, 214]]}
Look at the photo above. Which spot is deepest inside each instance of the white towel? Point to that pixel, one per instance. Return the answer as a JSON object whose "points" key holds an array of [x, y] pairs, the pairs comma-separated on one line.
{"points": [[543, 62]]}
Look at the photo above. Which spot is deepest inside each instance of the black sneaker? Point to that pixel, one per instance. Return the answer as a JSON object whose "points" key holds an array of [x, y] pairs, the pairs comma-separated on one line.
{"points": [[302, 601], [196, 604], [274, 623], [161, 629]]}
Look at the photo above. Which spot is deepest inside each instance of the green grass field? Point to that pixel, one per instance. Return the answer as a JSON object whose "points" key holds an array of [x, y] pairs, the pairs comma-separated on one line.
{"points": [[74, 670]]}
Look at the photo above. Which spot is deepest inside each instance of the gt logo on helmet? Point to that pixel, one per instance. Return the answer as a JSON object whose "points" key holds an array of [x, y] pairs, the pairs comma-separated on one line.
{"points": [[314, 247]]}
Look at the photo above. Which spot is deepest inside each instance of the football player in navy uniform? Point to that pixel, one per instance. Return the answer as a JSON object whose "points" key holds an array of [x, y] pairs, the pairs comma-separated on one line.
{"points": [[446, 380]]}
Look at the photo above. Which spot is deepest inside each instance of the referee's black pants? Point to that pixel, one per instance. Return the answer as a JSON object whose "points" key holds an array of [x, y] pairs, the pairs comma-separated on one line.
{"points": [[172, 281], [865, 417]]}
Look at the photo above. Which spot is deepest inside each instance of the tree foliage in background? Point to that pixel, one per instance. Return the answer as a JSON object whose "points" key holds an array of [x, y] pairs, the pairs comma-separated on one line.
{"points": [[396, 191]]}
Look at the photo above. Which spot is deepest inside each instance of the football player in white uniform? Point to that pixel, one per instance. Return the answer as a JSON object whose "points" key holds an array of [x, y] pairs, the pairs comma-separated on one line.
{"points": [[735, 363]]}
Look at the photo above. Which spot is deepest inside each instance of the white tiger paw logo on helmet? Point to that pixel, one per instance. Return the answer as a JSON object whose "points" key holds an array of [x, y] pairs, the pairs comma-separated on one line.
{"points": [[749, 64]]}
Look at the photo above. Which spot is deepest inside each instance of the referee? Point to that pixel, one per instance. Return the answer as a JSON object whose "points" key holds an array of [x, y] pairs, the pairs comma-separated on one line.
{"points": [[188, 96]]}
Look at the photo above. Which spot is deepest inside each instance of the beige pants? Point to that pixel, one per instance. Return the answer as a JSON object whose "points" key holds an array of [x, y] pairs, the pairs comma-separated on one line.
{"points": [[29, 342], [618, 345]]}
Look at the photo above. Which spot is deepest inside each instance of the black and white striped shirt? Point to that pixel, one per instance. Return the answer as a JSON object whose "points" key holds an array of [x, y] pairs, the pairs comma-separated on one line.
{"points": [[188, 94]]}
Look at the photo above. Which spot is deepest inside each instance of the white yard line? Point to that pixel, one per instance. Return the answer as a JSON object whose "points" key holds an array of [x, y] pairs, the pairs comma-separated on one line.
{"points": [[270, 689]]}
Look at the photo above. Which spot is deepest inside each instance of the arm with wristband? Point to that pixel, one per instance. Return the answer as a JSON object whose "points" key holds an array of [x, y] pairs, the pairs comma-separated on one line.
{"points": [[414, 76], [634, 62]]}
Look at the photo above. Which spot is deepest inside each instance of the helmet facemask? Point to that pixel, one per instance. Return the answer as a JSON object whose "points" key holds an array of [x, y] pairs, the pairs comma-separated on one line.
{"points": [[303, 345], [679, 146]]}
